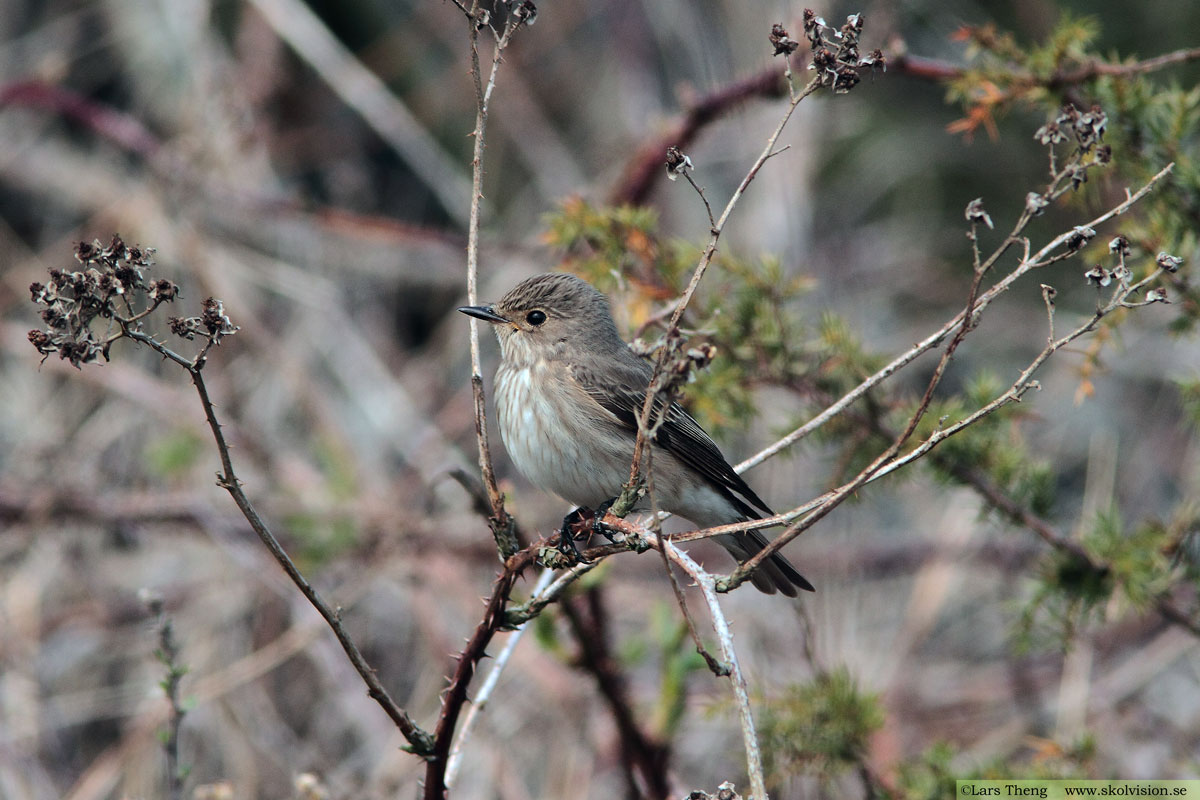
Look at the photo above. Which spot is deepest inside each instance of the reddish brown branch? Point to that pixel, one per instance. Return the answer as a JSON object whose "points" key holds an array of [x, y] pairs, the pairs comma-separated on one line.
{"points": [[641, 754], [930, 69], [475, 650], [647, 163], [109, 123]]}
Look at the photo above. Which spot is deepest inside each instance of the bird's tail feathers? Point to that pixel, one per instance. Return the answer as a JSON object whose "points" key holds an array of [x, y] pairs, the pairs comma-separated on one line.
{"points": [[776, 574]]}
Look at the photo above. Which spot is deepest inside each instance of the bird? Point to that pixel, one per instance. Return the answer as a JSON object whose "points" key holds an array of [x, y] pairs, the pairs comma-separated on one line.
{"points": [[568, 394]]}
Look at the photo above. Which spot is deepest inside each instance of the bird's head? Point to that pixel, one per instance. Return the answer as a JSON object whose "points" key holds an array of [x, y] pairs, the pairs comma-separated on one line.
{"points": [[548, 316]]}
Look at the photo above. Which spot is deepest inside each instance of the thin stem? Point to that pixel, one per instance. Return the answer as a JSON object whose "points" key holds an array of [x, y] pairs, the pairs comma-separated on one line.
{"points": [[714, 665], [653, 397], [420, 742], [495, 498]]}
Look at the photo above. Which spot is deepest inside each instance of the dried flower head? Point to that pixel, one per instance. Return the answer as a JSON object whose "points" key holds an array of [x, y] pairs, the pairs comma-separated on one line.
{"points": [[1098, 276], [1035, 204], [1080, 235], [1169, 262], [525, 13], [975, 213], [1050, 134], [110, 286], [782, 41], [677, 162]]}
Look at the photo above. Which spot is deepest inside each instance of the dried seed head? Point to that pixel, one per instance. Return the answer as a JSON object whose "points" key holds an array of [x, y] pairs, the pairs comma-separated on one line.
{"points": [[1098, 276], [975, 213], [875, 60], [813, 27], [677, 162], [782, 41], [1090, 127], [1169, 262], [1077, 174], [1157, 295], [1051, 133], [42, 341], [1035, 204], [1119, 245], [1080, 235], [163, 290], [86, 252], [726, 791], [525, 13]]}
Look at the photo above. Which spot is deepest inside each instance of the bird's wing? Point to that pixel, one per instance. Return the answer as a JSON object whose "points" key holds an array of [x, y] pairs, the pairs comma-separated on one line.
{"points": [[622, 391]]}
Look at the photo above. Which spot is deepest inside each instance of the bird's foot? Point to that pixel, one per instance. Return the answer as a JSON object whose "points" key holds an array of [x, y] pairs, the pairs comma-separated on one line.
{"points": [[598, 525], [579, 523]]}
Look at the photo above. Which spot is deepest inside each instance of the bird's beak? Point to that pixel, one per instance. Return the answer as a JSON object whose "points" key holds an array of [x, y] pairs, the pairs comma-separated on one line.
{"points": [[485, 313]]}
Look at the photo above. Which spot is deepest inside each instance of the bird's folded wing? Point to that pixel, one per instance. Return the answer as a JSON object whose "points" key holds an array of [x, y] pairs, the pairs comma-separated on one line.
{"points": [[621, 391]]}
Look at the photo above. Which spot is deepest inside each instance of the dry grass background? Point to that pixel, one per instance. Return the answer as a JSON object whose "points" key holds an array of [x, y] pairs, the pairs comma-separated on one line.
{"points": [[347, 400]]}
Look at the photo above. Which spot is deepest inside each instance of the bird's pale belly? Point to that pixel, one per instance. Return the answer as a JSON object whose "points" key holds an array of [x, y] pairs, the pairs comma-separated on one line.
{"points": [[554, 443]]}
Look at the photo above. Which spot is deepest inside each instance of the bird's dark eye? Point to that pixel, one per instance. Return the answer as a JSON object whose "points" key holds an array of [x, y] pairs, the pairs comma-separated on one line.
{"points": [[535, 317]]}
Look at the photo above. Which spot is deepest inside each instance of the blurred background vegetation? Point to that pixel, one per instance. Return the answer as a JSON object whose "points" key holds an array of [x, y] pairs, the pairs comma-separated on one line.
{"points": [[327, 210]]}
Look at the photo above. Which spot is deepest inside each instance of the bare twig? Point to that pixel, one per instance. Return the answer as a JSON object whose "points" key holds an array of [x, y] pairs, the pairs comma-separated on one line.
{"points": [[645, 167], [737, 679], [714, 664], [168, 655], [500, 520], [659, 386], [708, 587], [519, 615], [938, 70], [710, 249]]}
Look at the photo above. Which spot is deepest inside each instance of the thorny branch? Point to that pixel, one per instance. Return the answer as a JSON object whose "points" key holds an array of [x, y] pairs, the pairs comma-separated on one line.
{"points": [[503, 527], [480, 701], [455, 695]]}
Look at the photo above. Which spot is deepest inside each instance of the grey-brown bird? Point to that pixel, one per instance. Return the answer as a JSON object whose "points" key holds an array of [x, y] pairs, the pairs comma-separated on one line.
{"points": [[568, 395]]}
